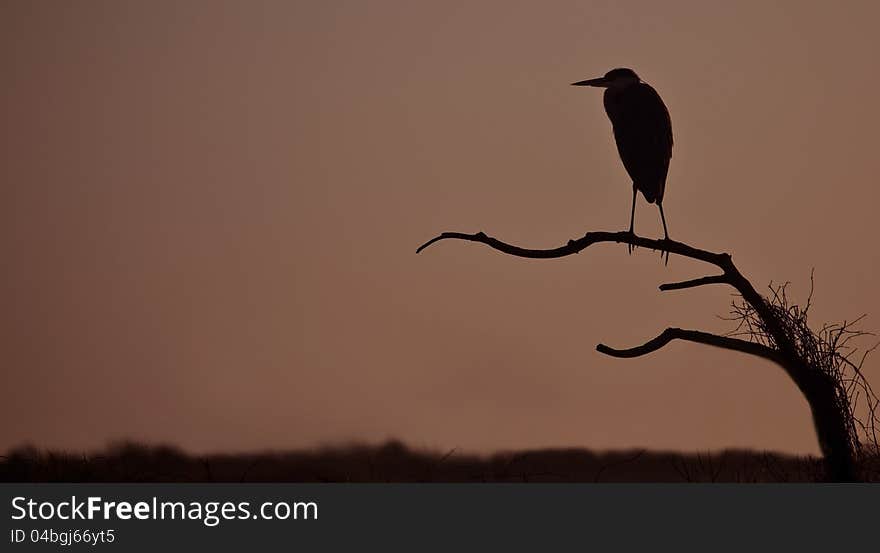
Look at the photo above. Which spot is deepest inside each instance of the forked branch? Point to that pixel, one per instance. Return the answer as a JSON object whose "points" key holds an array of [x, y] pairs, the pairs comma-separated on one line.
{"points": [[723, 261]]}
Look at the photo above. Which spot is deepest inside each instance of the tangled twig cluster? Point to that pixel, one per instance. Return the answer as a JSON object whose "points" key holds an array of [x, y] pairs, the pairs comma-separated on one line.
{"points": [[831, 349]]}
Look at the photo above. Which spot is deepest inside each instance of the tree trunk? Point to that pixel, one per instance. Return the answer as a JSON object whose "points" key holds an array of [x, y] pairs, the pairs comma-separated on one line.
{"points": [[832, 430]]}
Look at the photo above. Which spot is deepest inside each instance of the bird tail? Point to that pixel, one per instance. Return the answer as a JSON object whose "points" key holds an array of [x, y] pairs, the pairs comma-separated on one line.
{"points": [[653, 191]]}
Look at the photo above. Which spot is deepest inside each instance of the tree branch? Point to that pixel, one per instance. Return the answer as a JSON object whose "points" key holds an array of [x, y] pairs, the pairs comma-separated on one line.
{"points": [[698, 336], [832, 419], [590, 238], [714, 279]]}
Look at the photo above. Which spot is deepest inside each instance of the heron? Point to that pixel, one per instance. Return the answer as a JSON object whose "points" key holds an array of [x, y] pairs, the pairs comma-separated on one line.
{"points": [[643, 132]]}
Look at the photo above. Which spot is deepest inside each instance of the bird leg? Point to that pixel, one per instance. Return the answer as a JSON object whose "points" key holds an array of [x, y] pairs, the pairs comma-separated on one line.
{"points": [[632, 218], [665, 232]]}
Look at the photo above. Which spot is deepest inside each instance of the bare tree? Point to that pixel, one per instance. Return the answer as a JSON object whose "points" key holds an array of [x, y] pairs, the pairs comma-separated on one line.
{"points": [[819, 363]]}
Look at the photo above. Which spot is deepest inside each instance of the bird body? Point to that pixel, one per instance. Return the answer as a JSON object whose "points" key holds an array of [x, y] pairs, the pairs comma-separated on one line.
{"points": [[642, 131]]}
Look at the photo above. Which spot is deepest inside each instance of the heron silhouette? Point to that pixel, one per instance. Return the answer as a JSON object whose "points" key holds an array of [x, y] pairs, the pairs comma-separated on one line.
{"points": [[643, 132]]}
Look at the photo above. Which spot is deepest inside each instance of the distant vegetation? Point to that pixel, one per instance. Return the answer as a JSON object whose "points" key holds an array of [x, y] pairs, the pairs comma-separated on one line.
{"points": [[394, 462]]}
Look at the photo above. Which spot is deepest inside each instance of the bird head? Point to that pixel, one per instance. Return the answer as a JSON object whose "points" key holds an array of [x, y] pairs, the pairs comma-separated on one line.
{"points": [[616, 78]]}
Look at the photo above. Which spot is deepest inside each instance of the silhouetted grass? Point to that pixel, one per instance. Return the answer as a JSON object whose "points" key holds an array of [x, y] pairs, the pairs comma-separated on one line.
{"points": [[394, 462]]}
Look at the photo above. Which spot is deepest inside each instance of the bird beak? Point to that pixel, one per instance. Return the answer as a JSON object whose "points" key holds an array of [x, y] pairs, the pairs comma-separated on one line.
{"points": [[601, 81]]}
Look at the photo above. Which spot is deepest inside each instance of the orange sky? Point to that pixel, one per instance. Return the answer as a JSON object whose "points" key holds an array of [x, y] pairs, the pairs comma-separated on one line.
{"points": [[210, 212]]}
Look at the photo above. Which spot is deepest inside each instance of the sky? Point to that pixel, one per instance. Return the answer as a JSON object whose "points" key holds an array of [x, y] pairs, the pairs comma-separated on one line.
{"points": [[210, 211]]}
